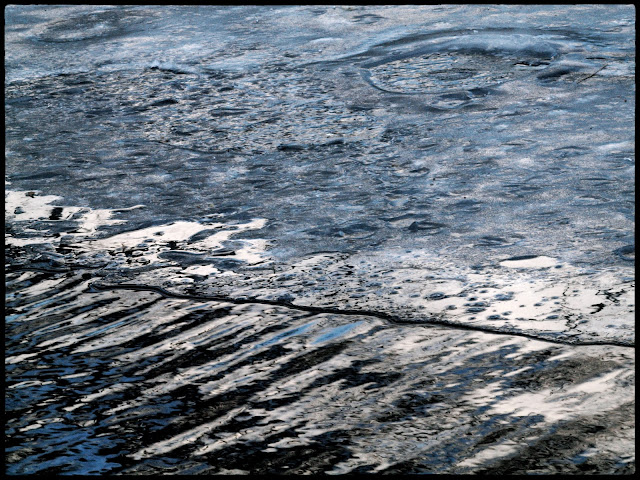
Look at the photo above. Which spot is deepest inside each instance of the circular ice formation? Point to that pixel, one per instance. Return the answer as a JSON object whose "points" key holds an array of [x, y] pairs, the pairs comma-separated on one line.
{"points": [[465, 61], [440, 71]]}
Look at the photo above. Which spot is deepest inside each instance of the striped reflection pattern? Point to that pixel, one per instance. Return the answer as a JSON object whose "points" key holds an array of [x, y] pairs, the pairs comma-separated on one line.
{"points": [[130, 382]]}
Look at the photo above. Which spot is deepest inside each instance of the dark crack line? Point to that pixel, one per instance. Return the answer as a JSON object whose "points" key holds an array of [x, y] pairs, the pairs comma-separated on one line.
{"points": [[368, 313], [593, 74]]}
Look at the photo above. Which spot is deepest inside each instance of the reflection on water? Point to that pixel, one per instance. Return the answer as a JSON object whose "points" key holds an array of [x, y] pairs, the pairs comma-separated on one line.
{"points": [[131, 382], [397, 239]]}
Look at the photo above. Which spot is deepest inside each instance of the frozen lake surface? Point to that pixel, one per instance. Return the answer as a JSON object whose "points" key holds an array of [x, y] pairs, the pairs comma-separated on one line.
{"points": [[316, 239]]}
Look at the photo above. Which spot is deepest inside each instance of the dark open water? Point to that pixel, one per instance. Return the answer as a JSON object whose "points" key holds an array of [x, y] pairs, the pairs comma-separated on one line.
{"points": [[393, 239]]}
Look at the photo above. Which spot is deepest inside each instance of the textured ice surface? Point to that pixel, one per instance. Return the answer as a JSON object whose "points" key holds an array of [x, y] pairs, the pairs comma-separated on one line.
{"points": [[472, 165]]}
